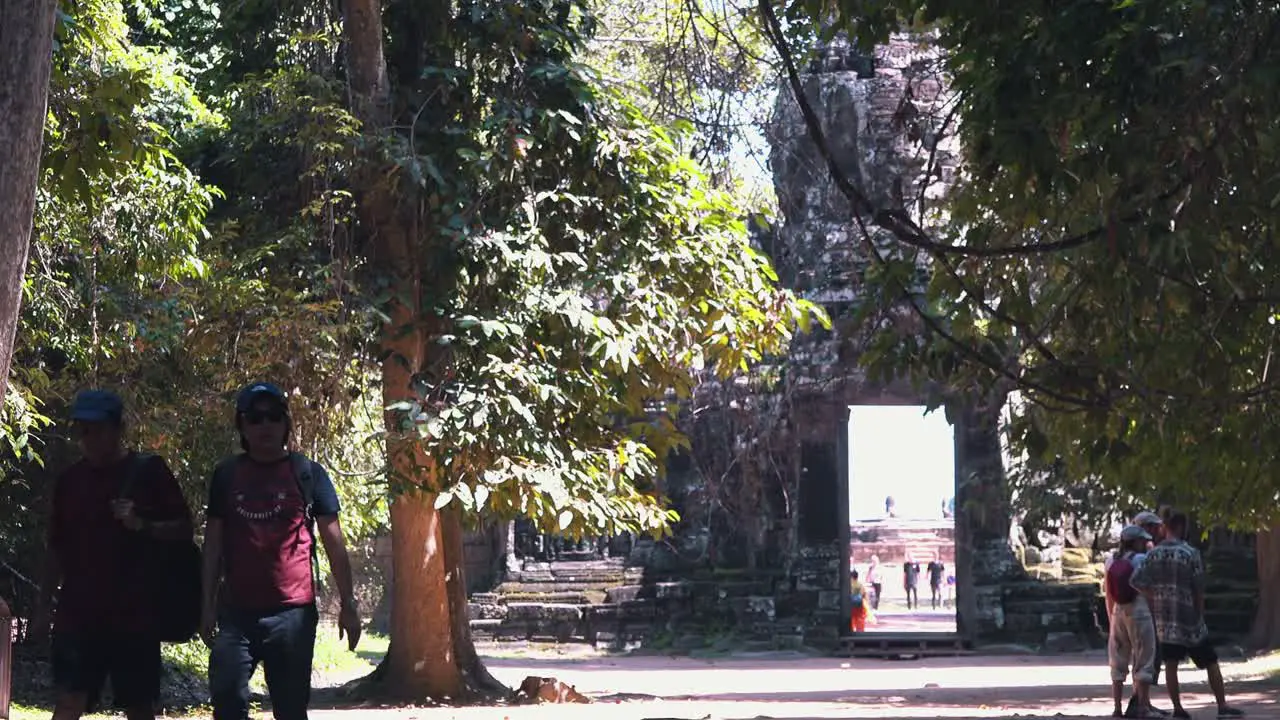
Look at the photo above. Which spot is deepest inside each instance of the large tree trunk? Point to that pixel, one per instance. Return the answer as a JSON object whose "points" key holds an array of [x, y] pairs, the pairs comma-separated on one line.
{"points": [[26, 52], [480, 683], [1266, 625], [431, 653]]}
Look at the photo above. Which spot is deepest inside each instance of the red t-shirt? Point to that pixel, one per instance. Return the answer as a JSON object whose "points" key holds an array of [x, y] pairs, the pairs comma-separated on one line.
{"points": [[266, 544], [102, 580], [1118, 580]]}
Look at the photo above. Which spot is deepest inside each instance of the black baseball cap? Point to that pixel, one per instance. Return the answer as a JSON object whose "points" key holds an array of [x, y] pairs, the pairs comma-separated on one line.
{"points": [[244, 401]]}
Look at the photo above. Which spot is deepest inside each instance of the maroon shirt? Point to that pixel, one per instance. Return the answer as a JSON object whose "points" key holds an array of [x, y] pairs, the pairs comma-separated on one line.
{"points": [[1119, 577], [266, 544], [102, 578]]}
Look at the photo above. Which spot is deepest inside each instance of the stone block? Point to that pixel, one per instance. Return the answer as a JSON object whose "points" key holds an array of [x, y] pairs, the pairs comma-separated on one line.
{"points": [[636, 610], [1076, 558], [1063, 642], [486, 611], [509, 631], [544, 612], [750, 610], [623, 593], [788, 641], [484, 629], [669, 590]]}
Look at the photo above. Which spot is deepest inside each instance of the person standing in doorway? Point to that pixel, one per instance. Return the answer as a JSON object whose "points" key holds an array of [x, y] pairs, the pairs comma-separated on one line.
{"points": [[266, 508], [875, 581], [1172, 578], [935, 570], [910, 581], [104, 625], [857, 603]]}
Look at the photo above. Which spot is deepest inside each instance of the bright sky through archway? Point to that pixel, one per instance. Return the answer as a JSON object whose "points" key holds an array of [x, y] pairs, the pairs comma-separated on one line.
{"points": [[899, 451]]}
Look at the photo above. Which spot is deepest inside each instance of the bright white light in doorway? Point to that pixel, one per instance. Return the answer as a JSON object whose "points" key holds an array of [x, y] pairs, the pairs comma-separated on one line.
{"points": [[898, 451]]}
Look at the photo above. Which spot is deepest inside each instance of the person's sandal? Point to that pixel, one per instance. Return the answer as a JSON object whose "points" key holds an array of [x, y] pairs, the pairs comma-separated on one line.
{"points": [[1230, 712], [1180, 714]]}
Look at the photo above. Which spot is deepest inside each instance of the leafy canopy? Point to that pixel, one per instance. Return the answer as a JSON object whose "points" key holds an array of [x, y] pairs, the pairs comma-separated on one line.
{"points": [[594, 279], [1109, 249]]}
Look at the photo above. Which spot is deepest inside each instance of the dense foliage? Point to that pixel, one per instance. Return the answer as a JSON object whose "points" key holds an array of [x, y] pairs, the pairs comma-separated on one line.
{"points": [[197, 229], [1107, 252]]}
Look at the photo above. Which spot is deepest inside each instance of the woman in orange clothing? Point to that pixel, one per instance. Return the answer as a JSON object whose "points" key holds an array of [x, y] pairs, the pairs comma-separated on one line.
{"points": [[858, 601]]}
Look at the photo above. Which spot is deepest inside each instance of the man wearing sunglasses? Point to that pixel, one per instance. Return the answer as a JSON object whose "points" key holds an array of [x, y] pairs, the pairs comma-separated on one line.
{"points": [[267, 509]]}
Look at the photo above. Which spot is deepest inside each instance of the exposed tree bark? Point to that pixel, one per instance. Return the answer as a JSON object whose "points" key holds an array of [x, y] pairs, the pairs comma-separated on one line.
{"points": [[431, 653], [1266, 624], [479, 682], [26, 54]]}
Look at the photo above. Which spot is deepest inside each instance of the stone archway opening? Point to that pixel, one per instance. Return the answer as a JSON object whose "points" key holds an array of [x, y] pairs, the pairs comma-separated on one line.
{"points": [[900, 479]]}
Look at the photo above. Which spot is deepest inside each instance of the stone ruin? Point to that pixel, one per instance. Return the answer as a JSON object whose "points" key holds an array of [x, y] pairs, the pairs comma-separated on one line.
{"points": [[760, 554]]}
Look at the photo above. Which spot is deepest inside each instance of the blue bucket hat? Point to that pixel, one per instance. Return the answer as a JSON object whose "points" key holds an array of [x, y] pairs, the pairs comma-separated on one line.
{"points": [[97, 406], [244, 401]]}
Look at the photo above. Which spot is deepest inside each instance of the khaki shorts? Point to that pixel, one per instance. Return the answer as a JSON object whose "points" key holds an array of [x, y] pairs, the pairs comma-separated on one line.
{"points": [[1132, 644]]}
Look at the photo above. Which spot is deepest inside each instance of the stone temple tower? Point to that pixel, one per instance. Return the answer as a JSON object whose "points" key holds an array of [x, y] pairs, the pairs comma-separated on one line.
{"points": [[890, 126]]}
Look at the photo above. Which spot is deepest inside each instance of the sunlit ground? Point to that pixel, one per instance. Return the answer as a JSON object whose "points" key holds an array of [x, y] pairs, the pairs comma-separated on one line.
{"points": [[789, 687]]}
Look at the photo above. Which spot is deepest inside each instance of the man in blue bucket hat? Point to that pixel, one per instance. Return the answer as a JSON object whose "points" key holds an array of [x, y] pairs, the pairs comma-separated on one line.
{"points": [[106, 506]]}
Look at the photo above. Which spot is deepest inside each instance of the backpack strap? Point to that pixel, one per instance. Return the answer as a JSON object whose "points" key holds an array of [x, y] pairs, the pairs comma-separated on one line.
{"points": [[224, 474], [305, 477], [136, 461]]}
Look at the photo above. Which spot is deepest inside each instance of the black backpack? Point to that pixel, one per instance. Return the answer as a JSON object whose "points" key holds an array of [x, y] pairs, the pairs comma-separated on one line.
{"points": [[302, 475], [172, 570]]}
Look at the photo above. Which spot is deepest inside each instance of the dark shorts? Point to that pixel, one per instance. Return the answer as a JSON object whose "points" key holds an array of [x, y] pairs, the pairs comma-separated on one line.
{"points": [[1203, 655], [83, 661]]}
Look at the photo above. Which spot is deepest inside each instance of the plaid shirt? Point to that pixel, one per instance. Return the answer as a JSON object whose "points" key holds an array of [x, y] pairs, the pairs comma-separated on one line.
{"points": [[1170, 576]]}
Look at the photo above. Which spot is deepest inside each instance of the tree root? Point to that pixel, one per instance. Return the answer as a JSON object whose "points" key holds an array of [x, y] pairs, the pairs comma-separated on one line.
{"points": [[481, 688]]}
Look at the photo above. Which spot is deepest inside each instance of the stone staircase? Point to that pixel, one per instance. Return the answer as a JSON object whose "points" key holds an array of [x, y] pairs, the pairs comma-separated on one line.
{"points": [[891, 540], [612, 605]]}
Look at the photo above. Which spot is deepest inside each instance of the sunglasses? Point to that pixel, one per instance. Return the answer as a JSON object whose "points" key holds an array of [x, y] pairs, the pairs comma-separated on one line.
{"points": [[257, 417]]}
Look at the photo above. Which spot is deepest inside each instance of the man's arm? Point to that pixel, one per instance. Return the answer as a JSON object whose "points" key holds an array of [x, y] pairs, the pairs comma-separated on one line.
{"points": [[211, 556], [50, 579], [211, 564], [335, 547], [325, 507]]}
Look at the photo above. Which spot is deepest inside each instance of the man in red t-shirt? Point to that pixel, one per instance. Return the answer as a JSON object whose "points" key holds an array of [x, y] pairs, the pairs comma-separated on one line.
{"points": [[259, 543], [102, 625]]}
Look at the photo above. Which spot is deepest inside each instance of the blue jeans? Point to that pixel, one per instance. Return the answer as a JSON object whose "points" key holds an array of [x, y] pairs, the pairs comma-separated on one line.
{"points": [[283, 641]]}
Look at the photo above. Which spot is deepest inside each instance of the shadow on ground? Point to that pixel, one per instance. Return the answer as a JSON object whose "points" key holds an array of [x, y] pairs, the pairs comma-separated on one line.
{"points": [[656, 688]]}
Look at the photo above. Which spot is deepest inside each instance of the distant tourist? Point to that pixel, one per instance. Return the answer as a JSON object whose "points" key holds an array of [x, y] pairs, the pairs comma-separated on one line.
{"points": [[1131, 643], [1154, 525], [890, 507], [857, 603], [935, 570], [910, 581], [1172, 579], [875, 581]]}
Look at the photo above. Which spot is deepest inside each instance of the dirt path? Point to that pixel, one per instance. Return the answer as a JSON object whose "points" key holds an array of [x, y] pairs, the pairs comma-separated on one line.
{"points": [[777, 688]]}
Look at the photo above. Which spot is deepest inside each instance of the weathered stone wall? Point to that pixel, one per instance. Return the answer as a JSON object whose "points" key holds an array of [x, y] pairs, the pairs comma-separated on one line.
{"points": [[763, 547], [884, 115]]}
